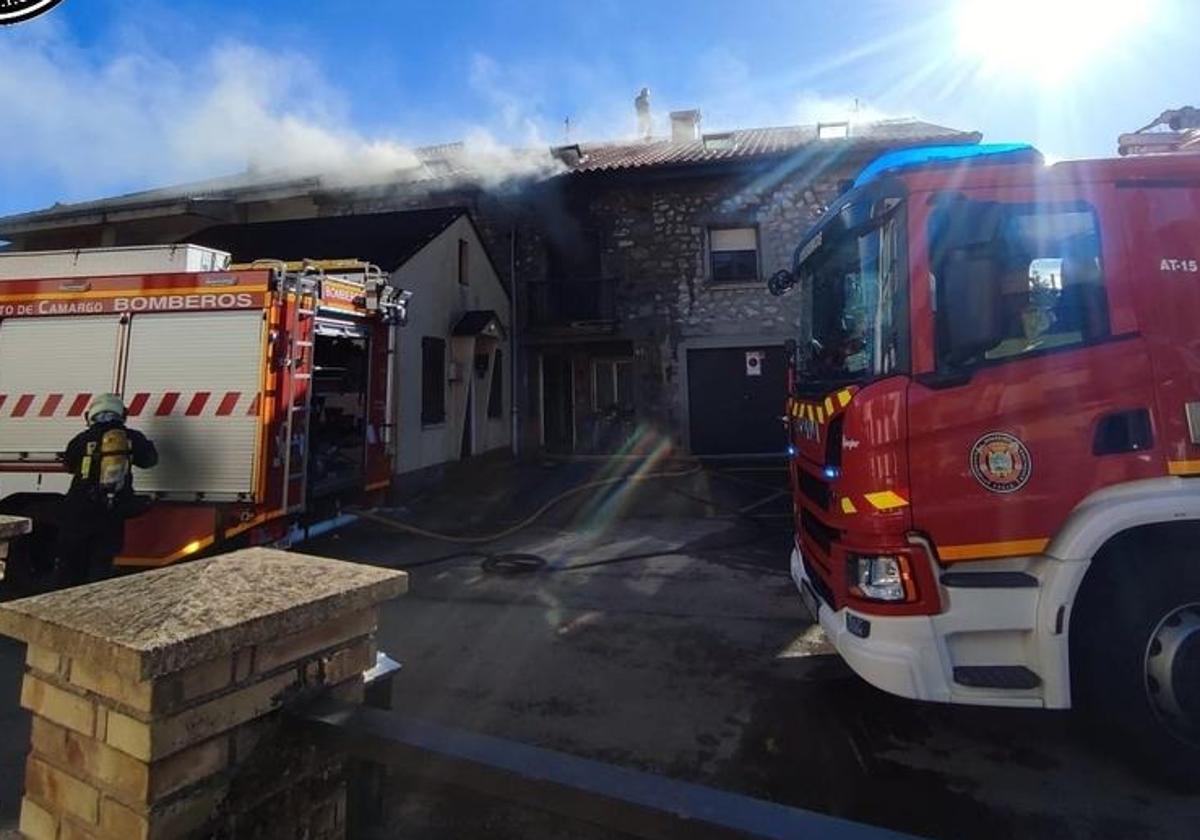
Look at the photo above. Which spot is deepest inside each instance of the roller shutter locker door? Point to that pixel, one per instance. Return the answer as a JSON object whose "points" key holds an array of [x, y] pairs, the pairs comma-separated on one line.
{"points": [[192, 382], [49, 369]]}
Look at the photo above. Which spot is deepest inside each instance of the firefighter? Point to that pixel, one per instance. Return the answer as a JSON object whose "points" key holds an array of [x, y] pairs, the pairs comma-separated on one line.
{"points": [[101, 460]]}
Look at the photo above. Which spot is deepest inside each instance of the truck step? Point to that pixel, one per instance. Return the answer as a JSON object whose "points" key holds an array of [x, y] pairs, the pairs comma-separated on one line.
{"points": [[1013, 677], [989, 580]]}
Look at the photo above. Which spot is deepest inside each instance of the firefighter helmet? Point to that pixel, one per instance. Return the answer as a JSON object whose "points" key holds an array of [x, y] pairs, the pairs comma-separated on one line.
{"points": [[104, 407]]}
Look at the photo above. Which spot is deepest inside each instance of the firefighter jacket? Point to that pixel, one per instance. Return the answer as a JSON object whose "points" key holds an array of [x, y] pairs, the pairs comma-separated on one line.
{"points": [[101, 460]]}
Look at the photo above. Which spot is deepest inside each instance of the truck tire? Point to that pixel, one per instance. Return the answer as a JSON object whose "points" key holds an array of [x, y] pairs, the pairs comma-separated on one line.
{"points": [[1135, 655]]}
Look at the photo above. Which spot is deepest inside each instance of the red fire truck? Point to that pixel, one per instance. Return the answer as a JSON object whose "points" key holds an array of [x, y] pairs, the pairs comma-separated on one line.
{"points": [[994, 428], [266, 388]]}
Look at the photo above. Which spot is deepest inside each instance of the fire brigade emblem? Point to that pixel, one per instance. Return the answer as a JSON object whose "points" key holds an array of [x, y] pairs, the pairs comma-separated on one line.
{"points": [[1000, 462], [16, 11]]}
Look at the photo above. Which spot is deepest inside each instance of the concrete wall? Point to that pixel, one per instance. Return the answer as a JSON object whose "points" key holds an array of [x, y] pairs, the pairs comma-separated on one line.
{"points": [[438, 302]]}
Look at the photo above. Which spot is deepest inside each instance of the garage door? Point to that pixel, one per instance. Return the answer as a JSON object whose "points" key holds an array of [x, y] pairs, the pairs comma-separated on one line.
{"points": [[735, 399], [49, 368]]}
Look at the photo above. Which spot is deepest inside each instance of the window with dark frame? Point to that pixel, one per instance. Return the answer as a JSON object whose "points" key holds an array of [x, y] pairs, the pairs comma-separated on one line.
{"points": [[733, 254], [1051, 277], [496, 394], [612, 385], [433, 381], [464, 262]]}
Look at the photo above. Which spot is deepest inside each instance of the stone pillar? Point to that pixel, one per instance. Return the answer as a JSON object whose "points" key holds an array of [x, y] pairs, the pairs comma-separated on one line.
{"points": [[156, 697], [11, 527]]}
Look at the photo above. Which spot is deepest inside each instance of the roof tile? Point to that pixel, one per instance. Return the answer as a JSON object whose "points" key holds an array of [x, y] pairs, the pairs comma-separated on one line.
{"points": [[749, 143]]}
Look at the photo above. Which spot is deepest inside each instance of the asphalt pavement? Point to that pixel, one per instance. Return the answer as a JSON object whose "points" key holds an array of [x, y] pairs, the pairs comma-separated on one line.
{"points": [[664, 633]]}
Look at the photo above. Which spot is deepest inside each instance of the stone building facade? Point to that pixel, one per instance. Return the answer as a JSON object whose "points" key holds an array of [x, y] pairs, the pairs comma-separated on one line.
{"points": [[653, 245]]}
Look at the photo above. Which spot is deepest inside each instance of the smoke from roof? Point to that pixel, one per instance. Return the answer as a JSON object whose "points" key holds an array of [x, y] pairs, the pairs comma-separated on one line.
{"points": [[138, 118]]}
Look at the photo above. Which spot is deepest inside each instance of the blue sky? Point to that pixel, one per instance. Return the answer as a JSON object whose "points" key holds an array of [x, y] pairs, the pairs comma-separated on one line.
{"points": [[107, 96]]}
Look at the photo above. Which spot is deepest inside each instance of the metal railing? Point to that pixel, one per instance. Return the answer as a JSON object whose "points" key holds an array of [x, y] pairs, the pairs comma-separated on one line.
{"points": [[566, 302]]}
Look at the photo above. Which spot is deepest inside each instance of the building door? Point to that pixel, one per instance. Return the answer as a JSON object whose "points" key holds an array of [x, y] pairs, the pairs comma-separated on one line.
{"points": [[558, 402], [466, 448], [613, 413], [735, 399]]}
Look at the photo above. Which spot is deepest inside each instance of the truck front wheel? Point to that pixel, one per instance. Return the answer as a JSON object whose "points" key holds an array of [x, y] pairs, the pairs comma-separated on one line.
{"points": [[1135, 655]]}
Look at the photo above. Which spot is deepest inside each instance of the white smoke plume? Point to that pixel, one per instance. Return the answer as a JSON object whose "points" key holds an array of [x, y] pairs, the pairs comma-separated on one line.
{"points": [[810, 109], [138, 119]]}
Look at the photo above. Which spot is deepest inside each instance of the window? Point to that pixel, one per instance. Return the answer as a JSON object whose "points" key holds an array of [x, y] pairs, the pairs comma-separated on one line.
{"points": [[719, 142], [1037, 267], [612, 385], [496, 395], [733, 254], [433, 381], [856, 279], [464, 262], [574, 253], [833, 131]]}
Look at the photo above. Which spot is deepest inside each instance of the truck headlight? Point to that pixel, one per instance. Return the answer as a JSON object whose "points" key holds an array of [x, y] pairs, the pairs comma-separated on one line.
{"points": [[880, 578]]}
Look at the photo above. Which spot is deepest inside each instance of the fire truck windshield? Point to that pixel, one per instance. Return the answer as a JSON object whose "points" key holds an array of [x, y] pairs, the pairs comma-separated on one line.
{"points": [[854, 285]]}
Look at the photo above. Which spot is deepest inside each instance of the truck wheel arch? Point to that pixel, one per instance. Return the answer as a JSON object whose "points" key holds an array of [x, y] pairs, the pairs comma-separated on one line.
{"points": [[1092, 539]]}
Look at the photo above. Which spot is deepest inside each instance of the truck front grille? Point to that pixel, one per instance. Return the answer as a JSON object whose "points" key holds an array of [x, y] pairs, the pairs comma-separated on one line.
{"points": [[818, 531], [813, 488]]}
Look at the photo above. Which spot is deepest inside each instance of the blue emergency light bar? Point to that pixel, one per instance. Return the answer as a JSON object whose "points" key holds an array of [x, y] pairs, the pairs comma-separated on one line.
{"points": [[925, 155]]}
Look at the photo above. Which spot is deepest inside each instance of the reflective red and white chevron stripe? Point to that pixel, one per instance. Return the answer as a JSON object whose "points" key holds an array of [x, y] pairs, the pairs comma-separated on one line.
{"points": [[140, 404]]}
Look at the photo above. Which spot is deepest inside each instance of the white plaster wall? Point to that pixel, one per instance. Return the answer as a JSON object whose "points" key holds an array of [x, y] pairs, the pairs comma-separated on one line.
{"points": [[437, 304]]}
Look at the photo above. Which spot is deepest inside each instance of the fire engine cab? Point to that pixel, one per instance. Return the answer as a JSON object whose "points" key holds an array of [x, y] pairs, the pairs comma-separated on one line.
{"points": [[994, 435], [265, 387]]}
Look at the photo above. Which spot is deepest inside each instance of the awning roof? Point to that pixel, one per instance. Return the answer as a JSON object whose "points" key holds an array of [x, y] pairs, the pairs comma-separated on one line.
{"points": [[480, 322]]}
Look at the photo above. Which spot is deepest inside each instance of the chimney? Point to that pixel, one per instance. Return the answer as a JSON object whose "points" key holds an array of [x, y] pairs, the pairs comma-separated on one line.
{"points": [[645, 122], [685, 126], [570, 155]]}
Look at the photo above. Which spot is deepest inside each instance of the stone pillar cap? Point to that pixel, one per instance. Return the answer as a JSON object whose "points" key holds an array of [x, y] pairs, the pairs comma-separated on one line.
{"points": [[12, 527], [154, 623]]}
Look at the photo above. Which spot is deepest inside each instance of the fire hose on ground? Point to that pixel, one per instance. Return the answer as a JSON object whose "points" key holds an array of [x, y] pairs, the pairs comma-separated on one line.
{"points": [[511, 563]]}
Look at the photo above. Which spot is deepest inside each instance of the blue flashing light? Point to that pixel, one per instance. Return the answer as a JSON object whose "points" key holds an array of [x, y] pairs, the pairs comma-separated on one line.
{"points": [[908, 158], [832, 472], [791, 451]]}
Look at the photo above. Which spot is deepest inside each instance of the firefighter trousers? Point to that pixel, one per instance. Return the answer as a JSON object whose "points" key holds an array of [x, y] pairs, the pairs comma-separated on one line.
{"points": [[86, 550]]}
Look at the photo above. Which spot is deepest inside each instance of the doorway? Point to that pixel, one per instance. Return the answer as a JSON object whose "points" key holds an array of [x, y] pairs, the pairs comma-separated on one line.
{"points": [[558, 402]]}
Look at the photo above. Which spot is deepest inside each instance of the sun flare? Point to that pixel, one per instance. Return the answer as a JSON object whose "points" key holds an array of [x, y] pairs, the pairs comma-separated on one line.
{"points": [[1045, 41]]}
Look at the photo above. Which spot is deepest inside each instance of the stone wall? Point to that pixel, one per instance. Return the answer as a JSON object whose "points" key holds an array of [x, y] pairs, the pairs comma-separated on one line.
{"points": [[653, 235], [11, 527]]}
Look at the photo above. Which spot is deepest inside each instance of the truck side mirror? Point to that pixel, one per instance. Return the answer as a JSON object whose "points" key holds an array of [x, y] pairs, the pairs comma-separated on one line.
{"points": [[970, 300]]}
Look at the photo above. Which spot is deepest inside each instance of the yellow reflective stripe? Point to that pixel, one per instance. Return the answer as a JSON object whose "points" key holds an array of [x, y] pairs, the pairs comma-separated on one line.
{"points": [[1183, 467], [886, 500], [844, 397], [988, 551], [820, 414], [808, 412], [107, 294], [194, 547], [829, 405], [848, 505]]}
